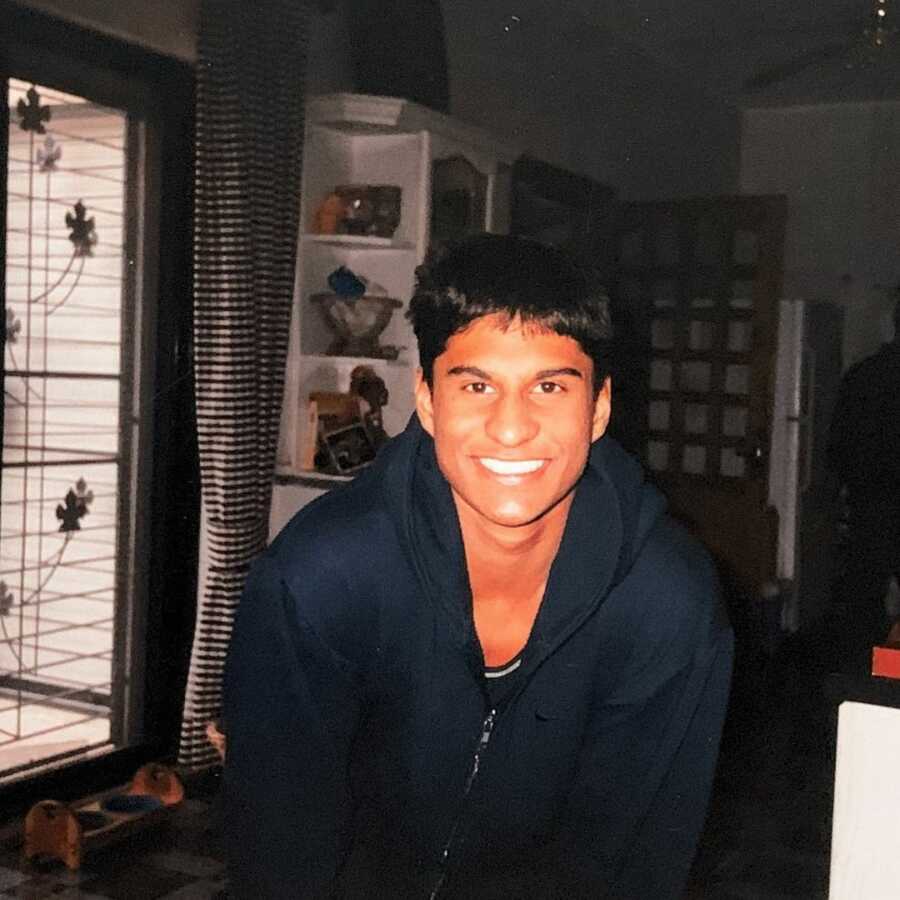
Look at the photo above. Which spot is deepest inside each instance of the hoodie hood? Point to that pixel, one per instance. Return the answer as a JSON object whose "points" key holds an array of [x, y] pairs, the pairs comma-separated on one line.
{"points": [[613, 511]]}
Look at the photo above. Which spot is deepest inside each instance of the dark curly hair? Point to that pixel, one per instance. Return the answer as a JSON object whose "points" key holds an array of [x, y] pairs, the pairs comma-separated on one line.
{"points": [[517, 278]]}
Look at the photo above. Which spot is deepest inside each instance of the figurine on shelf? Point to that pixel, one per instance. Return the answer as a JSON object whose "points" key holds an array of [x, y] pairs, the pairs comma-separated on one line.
{"points": [[328, 215], [356, 217], [369, 387]]}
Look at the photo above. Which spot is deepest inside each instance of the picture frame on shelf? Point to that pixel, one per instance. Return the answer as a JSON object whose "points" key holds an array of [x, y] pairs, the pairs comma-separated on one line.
{"points": [[345, 450], [458, 199]]}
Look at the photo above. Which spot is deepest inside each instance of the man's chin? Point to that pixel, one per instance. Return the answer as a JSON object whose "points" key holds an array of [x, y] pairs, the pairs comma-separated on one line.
{"points": [[519, 517], [507, 512]]}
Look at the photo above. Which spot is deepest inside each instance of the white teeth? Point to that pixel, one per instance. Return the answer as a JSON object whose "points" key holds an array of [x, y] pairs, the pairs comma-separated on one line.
{"points": [[511, 466]]}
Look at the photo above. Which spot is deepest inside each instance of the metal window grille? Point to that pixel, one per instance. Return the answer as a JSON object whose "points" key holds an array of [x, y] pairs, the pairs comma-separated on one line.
{"points": [[65, 463]]}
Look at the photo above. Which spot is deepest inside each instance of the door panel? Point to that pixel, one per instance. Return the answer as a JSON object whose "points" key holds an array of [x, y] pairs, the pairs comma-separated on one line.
{"points": [[696, 284]]}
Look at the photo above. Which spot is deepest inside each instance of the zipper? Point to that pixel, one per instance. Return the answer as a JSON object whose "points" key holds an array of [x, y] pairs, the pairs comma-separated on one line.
{"points": [[487, 727]]}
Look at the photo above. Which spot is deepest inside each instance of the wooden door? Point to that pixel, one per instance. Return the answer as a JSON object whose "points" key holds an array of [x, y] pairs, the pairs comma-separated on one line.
{"points": [[695, 287]]}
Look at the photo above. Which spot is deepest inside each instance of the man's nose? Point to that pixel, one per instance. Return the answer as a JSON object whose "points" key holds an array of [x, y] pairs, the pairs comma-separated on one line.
{"points": [[511, 422]]}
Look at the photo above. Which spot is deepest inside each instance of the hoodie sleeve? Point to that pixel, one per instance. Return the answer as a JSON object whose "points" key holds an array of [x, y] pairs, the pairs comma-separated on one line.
{"points": [[290, 710], [639, 799], [658, 859]]}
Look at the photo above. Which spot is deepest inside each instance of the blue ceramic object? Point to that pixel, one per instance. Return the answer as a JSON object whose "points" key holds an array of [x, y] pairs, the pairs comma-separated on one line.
{"points": [[344, 283]]}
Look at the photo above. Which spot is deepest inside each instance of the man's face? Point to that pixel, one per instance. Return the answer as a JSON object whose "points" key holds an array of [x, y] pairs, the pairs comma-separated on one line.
{"points": [[512, 413]]}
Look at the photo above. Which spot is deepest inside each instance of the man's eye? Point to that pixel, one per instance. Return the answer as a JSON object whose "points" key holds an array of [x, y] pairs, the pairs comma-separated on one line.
{"points": [[477, 387], [549, 387]]}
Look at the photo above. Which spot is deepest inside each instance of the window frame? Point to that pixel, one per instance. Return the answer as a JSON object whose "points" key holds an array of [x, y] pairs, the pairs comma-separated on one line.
{"points": [[163, 518]]}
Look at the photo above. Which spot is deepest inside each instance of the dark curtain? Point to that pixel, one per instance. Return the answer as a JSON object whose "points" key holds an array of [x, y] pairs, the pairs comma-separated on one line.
{"points": [[249, 138]]}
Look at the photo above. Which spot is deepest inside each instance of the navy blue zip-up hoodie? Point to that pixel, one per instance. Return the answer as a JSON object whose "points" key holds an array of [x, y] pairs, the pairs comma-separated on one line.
{"points": [[363, 756]]}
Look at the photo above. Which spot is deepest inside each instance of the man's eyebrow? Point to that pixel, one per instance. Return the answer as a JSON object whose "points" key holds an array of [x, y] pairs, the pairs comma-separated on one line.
{"points": [[543, 375], [555, 373], [473, 371]]}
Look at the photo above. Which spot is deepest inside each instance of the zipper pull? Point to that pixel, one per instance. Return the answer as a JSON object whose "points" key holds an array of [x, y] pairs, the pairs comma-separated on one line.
{"points": [[487, 726]]}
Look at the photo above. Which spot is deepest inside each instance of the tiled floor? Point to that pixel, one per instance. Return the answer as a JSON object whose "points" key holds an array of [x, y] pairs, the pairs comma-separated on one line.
{"points": [[767, 836]]}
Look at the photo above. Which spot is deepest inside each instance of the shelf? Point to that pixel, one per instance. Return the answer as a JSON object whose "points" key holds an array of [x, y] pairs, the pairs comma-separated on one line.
{"points": [[360, 139], [364, 114], [310, 479], [359, 242], [348, 361]]}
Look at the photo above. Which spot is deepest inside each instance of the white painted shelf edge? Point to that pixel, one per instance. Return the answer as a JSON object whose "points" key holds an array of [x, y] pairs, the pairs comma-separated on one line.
{"points": [[364, 112], [349, 362], [359, 242]]}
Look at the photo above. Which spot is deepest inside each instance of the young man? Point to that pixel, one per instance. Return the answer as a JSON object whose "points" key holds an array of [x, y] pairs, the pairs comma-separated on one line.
{"points": [[491, 667]]}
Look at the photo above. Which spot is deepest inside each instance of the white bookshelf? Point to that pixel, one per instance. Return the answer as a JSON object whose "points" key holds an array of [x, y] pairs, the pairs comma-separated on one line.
{"points": [[358, 139]]}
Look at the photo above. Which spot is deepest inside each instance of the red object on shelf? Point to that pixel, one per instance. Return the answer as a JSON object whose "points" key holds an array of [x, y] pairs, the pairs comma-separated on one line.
{"points": [[886, 661]]}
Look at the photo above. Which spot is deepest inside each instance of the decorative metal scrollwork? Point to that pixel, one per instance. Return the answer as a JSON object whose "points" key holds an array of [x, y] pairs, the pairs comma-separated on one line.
{"points": [[83, 235], [48, 155], [77, 502], [6, 599], [13, 327], [31, 114]]}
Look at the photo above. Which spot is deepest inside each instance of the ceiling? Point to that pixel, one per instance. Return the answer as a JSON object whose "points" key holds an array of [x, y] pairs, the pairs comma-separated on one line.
{"points": [[716, 46]]}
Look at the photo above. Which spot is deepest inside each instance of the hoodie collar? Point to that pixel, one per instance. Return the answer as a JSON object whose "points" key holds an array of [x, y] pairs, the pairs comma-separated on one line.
{"points": [[596, 548]]}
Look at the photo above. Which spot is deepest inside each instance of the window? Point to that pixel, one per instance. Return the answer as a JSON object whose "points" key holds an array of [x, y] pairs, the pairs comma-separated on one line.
{"points": [[66, 473], [98, 506]]}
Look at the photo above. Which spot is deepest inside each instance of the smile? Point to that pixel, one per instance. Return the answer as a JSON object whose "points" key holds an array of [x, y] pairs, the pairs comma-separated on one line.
{"points": [[511, 466]]}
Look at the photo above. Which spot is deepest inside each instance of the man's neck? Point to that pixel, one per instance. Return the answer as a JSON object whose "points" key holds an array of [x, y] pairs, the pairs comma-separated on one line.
{"points": [[506, 562]]}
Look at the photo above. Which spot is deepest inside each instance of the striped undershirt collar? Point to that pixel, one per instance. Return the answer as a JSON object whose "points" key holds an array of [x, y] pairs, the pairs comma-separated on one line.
{"points": [[506, 669]]}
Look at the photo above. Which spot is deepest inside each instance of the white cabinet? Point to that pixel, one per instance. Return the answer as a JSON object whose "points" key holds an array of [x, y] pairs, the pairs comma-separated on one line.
{"points": [[865, 840], [355, 139]]}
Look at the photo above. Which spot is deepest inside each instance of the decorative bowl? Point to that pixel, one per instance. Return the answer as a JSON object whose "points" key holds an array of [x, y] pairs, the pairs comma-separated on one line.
{"points": [[357, 323]]}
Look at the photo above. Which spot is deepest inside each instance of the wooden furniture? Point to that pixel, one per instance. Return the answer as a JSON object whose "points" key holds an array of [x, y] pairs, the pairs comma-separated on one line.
{"points": [[454, 179], [67, 832]]}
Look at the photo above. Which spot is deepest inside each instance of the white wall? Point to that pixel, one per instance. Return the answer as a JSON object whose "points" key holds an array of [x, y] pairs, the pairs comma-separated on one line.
{"points": [[837, 165]]}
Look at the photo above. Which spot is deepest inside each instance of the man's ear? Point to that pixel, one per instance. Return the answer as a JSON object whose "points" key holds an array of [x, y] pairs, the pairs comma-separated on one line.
{"points": [[602, 410], [424, 405]]}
